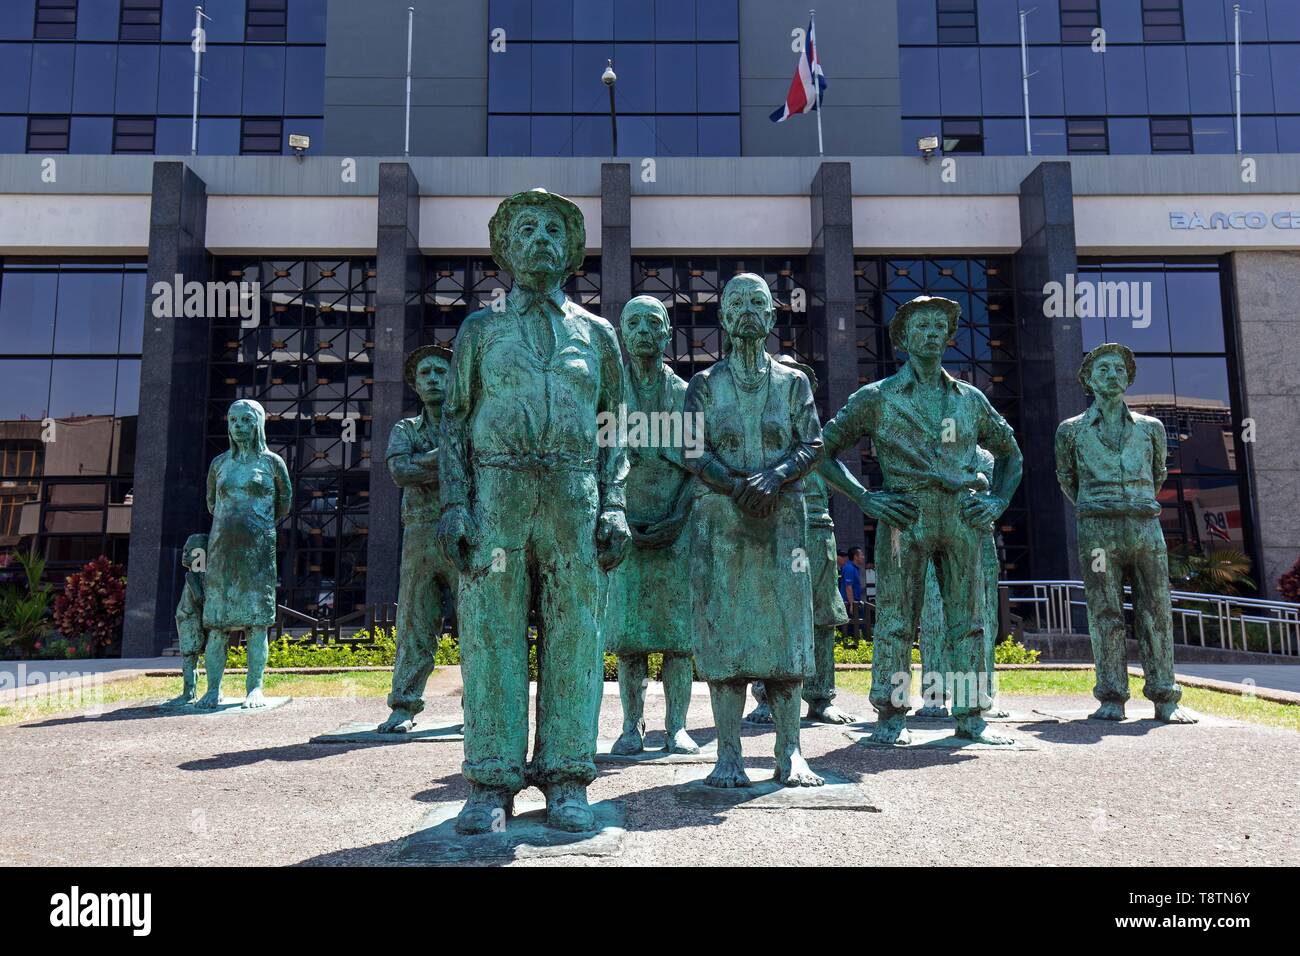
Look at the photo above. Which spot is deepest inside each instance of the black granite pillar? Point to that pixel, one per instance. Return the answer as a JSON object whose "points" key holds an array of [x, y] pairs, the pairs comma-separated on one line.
{"points": [[169, 492], [1050, 351], [615, 239], [830, 266], [397, 330]]}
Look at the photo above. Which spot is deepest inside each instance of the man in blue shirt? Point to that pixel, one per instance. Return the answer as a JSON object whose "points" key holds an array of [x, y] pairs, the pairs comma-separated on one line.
{"points": [[851, 588]]}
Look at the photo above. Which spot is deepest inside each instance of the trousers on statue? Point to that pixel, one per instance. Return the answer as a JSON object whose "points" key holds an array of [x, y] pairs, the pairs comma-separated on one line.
{"points": [[424, 575], [1111, 549], [535, 547], [938, 534]]}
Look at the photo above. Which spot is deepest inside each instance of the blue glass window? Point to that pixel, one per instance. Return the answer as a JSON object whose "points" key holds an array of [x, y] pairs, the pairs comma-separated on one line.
{"points": [[1002, 137], [1085, 81], [27, 313], [95, 78], [513, 16], [591, 136], [1209, 75], [140, 20], [719, 78], [47, 134], [1256, 90], [137, 78], [1167, 78], [56, 19], [18, 20], [307, 21], [510, 78], [552, 82], [1126, 80], [221, 90], [304, 83], [178, 19], [1046, 86], [552, 135], [1286, 77], [89, 308], [97, 21], [1203, 21], [916, 22], [677, 135], [1259, 134], [266, 21], [1213, 134], [1195, 311], [1122, 21], [1043, 25], [1129, 136], [1000, 81], [719, 135], [716, 20], [133, 134], [589, 62], [1288, 134], [172, 136], [258, 136], [957, 21], [263, 81], [634, 20], [218, 137], [13, 134], [227, 20], [959, 80], [509, 135], [1048, 136], [919, 69], [674, 78], [15, 76], [91, 135], [593, 20], [51, 89], [636, 136], [175, 79], [27, 389], [675, 19], [1283, 19], [552, 20]]}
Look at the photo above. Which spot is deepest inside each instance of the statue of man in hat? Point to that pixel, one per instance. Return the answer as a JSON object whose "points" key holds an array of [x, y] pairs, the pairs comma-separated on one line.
{"points": [[1111, 463], [425, 571], [649, 609], [926, 427], [532, 516]]}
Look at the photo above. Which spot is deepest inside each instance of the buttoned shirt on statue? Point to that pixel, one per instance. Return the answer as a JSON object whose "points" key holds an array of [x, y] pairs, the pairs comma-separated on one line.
{"points": [[412, 436], [915, 448], [525, 389], [1104, 479]]}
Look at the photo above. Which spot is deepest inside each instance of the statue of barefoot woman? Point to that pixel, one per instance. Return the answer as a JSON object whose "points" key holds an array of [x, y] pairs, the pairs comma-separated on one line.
{"points": [[248, 493], [751, 597]]}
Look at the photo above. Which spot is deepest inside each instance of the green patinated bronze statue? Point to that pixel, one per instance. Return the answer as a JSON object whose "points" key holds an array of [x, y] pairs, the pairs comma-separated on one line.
{"points": [[1111, 463], [934, 669], [249, 491], [751, 594], [649, 607], [189, 615], [828, 604], [935, 506], [425, 572], [532, 516]]}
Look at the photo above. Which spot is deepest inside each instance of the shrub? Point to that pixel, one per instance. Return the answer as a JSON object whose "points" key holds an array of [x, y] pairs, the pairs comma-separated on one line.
{"points": [[92, 604], [1011, 652], [24, 608], [1288, 585]]}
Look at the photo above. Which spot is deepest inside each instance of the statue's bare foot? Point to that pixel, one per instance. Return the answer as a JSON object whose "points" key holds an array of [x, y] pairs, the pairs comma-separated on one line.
{"points": [[254, 700], [793, 771], [830, 714], [1171, 713], [680, 742], [997, 712], [728, 772], [210, 700], [632, 741], [186, 696], [891, 730], [933, 710], [1109, 710], [486, 810], [567, 808], [975, 730], [762, 714], [400, 721]]}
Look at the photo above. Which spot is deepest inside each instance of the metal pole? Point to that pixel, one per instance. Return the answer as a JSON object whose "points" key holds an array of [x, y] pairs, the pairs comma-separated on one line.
{"points": [[199, 17], [1236, 73], [817, 86], [1024, 82], [410, 28], [613, 115]]}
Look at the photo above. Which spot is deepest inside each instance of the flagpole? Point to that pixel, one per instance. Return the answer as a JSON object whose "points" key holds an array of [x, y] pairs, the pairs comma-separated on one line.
{"points": [[817, 86], [410, 29]]}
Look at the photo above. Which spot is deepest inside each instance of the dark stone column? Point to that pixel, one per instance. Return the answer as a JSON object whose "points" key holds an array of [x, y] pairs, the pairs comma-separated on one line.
{"points": [[170, 467], [397, 329], [1050, 352], [615, 239], [830, 266]]}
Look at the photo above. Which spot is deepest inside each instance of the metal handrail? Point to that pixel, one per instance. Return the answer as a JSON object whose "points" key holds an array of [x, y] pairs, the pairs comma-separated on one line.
{"points": [[1054, 600]]}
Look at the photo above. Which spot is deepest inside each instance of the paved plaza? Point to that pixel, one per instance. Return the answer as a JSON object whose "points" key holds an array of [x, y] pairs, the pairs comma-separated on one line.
{"points": [[132, 786]]}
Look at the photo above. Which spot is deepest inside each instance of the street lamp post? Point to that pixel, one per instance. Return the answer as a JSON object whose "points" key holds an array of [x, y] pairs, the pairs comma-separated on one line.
{"points": [[609, 78]]}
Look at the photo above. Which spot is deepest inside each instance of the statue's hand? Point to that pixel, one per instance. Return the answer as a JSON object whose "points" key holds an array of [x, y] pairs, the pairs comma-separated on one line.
{"points": [[890, 507], [612, 536], [660, 534], [457, 534], [981, 510], [759, 493]]}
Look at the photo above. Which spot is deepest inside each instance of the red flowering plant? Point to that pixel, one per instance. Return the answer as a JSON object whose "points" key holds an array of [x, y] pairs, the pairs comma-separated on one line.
{"points": [[1289, 584], [91, 607]]}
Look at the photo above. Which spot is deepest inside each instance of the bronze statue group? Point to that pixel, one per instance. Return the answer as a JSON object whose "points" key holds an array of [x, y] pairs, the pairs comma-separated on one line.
{"points": [[721, 559]]}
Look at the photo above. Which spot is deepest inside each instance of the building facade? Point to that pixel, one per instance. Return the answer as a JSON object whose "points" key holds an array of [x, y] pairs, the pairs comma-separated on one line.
{"points": [[353, 254]]}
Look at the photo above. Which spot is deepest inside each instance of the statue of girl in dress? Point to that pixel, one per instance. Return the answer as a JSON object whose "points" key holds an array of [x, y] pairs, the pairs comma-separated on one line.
{"points": [[751, 593], [248, 493]]}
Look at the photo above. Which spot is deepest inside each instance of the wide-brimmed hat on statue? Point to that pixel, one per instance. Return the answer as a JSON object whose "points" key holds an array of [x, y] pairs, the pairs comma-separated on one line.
{"points": [[793, 362], [419, 355], [1108, 348], [575, 227], [922, 303]]}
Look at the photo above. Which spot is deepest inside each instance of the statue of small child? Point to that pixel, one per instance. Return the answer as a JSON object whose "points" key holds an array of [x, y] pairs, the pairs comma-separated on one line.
{"points": [[189, 614]]}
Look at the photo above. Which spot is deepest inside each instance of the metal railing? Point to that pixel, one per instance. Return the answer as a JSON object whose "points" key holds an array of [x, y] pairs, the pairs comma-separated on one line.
{"points": [[1058, 607], [298, 626]]}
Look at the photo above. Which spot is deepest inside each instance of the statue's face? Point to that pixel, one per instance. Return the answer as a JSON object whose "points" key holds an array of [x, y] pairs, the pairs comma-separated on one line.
{"points": [[431, 379], [539, 240], [242, 423], [747, 311], [645, 329], [1109, 376], [927, 333]]}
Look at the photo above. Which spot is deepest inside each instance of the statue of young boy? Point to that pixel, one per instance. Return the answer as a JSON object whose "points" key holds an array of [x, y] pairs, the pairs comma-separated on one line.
{"points": [[189, 614], [1111, 463], [649, 607]]}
